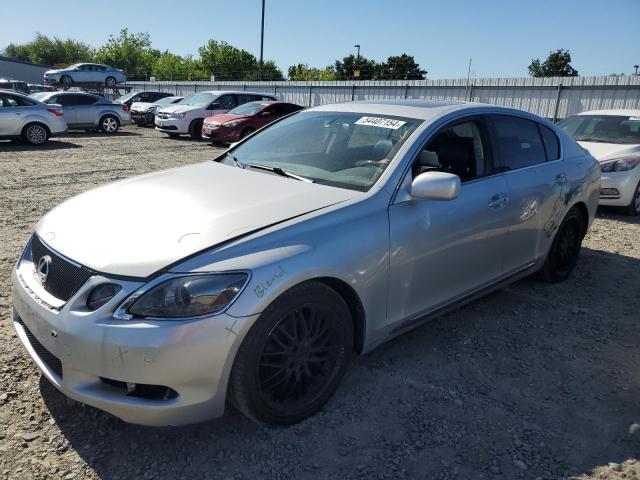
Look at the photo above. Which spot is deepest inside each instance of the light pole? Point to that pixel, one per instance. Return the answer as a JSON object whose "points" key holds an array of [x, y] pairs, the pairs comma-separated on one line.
{"points": [[356, 69], [636, 68], [261, 43]]}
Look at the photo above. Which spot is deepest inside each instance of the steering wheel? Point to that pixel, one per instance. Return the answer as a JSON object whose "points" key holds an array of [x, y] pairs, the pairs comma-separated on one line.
{"points": [[375, 163]]}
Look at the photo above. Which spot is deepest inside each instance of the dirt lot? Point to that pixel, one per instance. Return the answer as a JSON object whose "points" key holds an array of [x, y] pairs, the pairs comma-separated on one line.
{"points": [[536, 381]]}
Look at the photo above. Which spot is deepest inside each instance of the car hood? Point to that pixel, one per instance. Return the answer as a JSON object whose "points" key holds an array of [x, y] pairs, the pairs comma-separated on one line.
{"points": [[224, 117], [138, 226], [140, 106], [56, 70], [608, 151], [178, 108]]}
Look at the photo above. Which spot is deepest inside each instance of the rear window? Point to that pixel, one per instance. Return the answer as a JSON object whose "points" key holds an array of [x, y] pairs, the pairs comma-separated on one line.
{"points": [[519, 142], [551, 143], [619, 129]]}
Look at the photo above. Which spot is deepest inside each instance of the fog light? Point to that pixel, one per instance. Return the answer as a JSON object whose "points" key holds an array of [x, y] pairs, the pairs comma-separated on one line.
{"points": [[101, 294], [609, 192]]}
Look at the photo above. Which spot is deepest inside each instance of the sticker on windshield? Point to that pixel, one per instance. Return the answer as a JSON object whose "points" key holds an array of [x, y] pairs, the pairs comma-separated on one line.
{"points": [[381, 122]]}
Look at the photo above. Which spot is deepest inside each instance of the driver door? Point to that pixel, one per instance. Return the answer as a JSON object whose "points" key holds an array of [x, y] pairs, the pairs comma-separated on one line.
{"points": [[444, 250]]}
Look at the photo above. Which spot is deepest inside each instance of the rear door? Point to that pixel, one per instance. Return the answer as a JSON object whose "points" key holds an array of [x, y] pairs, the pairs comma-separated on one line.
{"points": [[442, 251], [537, 180], [85, 109]]}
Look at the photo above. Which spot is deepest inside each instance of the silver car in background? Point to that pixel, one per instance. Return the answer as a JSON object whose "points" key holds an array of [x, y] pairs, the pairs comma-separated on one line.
{"points": [[29, 119], [257, 276], [85, 73], [86, 111], [143, 113]]}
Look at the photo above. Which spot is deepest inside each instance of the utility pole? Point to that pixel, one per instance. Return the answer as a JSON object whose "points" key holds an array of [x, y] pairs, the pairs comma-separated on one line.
{"points": [[261, 43], [466, 87], [636, 68]]}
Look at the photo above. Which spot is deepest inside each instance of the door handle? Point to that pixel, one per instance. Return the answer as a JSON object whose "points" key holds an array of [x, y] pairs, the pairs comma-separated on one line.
{"points": [[561, 178], [18, 113], [499, 201]]}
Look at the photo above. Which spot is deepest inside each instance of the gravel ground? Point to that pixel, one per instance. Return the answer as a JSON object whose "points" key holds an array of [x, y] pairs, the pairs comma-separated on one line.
{"points": [[535, 381]]}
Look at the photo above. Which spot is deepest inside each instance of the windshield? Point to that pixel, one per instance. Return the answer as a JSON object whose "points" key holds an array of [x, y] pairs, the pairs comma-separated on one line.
{"points": [[126, 97], [620, 129], [347, 150], [165, 101], [248, 109], [40, 96], [201, 99]]}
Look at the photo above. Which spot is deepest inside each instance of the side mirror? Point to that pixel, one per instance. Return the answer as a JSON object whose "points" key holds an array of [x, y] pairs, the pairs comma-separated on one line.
{"points": [[436, 186], [214, 106]]}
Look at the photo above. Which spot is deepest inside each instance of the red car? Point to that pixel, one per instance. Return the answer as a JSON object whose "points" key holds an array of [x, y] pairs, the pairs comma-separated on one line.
{"points": [[244, 120]]}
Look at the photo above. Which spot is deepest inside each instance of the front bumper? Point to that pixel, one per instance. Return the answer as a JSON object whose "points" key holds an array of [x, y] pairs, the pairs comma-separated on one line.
{"points": [[142, 117], [91, 357], [617, 188], [171, 125]]}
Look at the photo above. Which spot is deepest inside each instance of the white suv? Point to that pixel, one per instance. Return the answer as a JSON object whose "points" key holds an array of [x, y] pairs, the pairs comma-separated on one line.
{"points": [[188, 115], [26, 118]]}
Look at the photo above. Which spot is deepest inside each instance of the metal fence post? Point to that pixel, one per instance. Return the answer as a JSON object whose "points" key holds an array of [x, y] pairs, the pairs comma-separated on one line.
{"points": [[275, 90], [406, 89], [470, 92], [353, 92], [557, 104], [310, 87]]}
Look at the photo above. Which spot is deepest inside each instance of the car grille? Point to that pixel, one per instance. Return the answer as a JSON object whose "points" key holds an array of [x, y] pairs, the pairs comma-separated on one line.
{"points": [[64, 278], [45, 355]]}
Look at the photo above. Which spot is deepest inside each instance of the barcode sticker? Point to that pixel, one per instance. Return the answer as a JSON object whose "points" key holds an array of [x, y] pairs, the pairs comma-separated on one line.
{"points": [[381, 122]]}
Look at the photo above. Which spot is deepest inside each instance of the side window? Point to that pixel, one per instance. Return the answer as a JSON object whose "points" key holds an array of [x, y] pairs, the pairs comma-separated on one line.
{"points": [[84, 100], [226, 102], [7, 101], [14, 101], [242, 99], [460, 148], [551, 143], [518, 141]]}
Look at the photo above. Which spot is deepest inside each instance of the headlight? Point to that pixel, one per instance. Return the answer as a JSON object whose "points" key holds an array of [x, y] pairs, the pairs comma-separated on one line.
{"points": [[622, 164], [178, 114], [188, 296], [232, 123]]}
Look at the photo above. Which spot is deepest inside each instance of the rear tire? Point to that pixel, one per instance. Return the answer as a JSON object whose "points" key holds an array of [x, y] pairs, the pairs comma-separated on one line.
{"points": [[633, 208], [195, 129], [109, 124], [35, 134], [565, 249], [110, 82], [294, 357]]}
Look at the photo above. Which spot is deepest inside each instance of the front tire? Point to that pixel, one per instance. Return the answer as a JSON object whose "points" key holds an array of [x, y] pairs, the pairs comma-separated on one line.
{"points": [[66, 81], [110, 82], [565, 249], [195, 129], [35, 134], [109, 124], [633, 208], [294, 356]]}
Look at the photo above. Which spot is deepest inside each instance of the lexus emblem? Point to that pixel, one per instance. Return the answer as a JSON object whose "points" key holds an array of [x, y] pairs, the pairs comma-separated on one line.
{"points": [[43, 268]]}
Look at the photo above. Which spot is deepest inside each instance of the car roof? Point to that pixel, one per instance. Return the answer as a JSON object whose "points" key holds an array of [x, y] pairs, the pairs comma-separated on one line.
{"points": [[412, 108], [13, 92], [239, 92], [621, 112]]}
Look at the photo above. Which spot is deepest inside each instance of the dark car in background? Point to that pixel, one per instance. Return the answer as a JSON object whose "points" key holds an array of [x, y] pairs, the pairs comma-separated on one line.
{"points": [[148, 97], [86, 111], [244, 120], [15, 85], [143, 113]]}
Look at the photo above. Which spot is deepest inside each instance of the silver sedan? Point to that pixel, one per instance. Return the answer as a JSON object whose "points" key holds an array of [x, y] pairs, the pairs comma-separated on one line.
{"points": [[256, 277], [85, 73]]}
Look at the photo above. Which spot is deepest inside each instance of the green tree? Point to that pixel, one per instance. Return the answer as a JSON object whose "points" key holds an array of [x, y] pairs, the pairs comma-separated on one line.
{"points": [[50, 51], [130, 52], [304, 72], [169, 66], [557, 64], [346, 68], [402, 67], [227, 62]]}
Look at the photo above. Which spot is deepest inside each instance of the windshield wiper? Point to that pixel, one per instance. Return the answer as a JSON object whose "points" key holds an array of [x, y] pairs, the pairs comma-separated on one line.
{"points": [[281, 172]]}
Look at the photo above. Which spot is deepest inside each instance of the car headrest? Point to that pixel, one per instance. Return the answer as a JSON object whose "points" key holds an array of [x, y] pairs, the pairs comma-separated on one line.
{"points": [[429, 159], [382, 148]]}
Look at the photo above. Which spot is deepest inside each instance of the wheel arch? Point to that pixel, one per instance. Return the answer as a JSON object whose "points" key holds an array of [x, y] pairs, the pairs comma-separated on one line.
{"points": [[31, 122], [584, 212]]}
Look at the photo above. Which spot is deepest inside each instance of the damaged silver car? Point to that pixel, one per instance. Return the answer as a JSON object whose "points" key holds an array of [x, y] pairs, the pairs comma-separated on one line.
{"points": [[256, 277]]}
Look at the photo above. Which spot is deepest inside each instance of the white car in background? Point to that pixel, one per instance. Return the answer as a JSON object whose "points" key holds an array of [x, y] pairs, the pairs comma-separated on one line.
{"points": [[613, 138], [188, 115], [28, 119]]}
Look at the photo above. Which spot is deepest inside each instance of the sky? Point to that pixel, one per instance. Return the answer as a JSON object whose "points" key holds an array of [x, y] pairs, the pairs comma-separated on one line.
{"points": [[501, 36]]}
